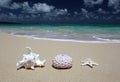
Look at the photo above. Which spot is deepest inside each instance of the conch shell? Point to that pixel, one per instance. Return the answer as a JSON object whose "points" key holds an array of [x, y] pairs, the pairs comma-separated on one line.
{"points": [[30, 60]]}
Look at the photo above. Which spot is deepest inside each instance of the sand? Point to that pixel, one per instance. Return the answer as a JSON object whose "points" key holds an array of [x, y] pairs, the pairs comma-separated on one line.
{"points": [[107, 55]]}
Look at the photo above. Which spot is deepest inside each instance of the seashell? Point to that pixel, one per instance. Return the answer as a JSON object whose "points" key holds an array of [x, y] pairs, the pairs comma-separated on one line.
{"points": [[62, 61], [30, 60]]}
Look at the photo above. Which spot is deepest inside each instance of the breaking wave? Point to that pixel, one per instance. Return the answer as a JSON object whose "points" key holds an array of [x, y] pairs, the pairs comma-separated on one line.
{"points": [[92, 38]]}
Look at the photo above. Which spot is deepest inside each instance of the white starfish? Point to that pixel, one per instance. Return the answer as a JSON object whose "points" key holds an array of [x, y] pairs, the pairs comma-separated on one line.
{"points": [[30, 60], [89, 62]]}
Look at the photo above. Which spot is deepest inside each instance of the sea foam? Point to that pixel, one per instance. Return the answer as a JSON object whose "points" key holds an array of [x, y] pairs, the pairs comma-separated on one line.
{"points": [[99, 40]]}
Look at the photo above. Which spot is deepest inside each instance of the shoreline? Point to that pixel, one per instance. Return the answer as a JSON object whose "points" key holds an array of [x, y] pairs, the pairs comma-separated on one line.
{"points": [[84, 34], [69, 40], [106, 55]]}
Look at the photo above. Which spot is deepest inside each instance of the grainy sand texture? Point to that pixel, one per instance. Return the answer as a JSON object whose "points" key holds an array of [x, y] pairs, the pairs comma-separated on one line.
{"points": [[107, 55]]}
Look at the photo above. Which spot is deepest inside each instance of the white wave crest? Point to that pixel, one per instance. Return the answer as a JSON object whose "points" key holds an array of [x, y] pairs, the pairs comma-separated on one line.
{"points": [[101, 40], [106, 40]]}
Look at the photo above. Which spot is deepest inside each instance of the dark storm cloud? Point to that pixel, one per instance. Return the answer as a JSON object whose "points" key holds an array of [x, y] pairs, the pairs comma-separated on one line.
{"points": [[114, 3], [35, 8], [36, 11], [5, 3], [101, 11], [47, 10], [111, 3]]}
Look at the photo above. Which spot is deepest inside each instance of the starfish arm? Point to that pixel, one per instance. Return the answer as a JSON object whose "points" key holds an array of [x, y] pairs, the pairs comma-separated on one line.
{"points": [[85, 63], [95, 64], [90, 64]]}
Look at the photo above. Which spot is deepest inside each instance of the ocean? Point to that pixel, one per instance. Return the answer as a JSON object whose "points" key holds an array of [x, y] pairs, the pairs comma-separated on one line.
{"points": [[65, 32]]}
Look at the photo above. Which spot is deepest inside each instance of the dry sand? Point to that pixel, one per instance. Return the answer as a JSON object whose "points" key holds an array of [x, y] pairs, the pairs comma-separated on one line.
{"points": [[106, 54]]}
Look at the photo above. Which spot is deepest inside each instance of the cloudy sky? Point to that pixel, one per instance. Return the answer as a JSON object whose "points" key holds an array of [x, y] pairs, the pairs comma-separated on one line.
{"points": [[60, 11]]}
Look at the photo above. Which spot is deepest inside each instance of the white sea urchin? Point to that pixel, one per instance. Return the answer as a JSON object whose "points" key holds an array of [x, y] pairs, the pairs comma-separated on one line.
{"points": [[62, 61]]}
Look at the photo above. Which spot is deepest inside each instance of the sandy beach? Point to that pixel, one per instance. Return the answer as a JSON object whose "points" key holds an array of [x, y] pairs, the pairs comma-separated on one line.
{"points": [[107, 55]]}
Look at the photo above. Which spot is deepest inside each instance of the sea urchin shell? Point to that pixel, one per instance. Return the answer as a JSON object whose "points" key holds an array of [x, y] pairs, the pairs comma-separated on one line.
{"points": [[62, 61]]}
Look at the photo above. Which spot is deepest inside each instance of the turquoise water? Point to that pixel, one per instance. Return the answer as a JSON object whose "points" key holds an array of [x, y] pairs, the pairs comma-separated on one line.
{"points": [[66, 28], [109, 33]]}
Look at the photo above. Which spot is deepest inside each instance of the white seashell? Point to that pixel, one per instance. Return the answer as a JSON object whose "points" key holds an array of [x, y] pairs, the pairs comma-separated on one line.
{"points": [[62, 61], [30, 60]]}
